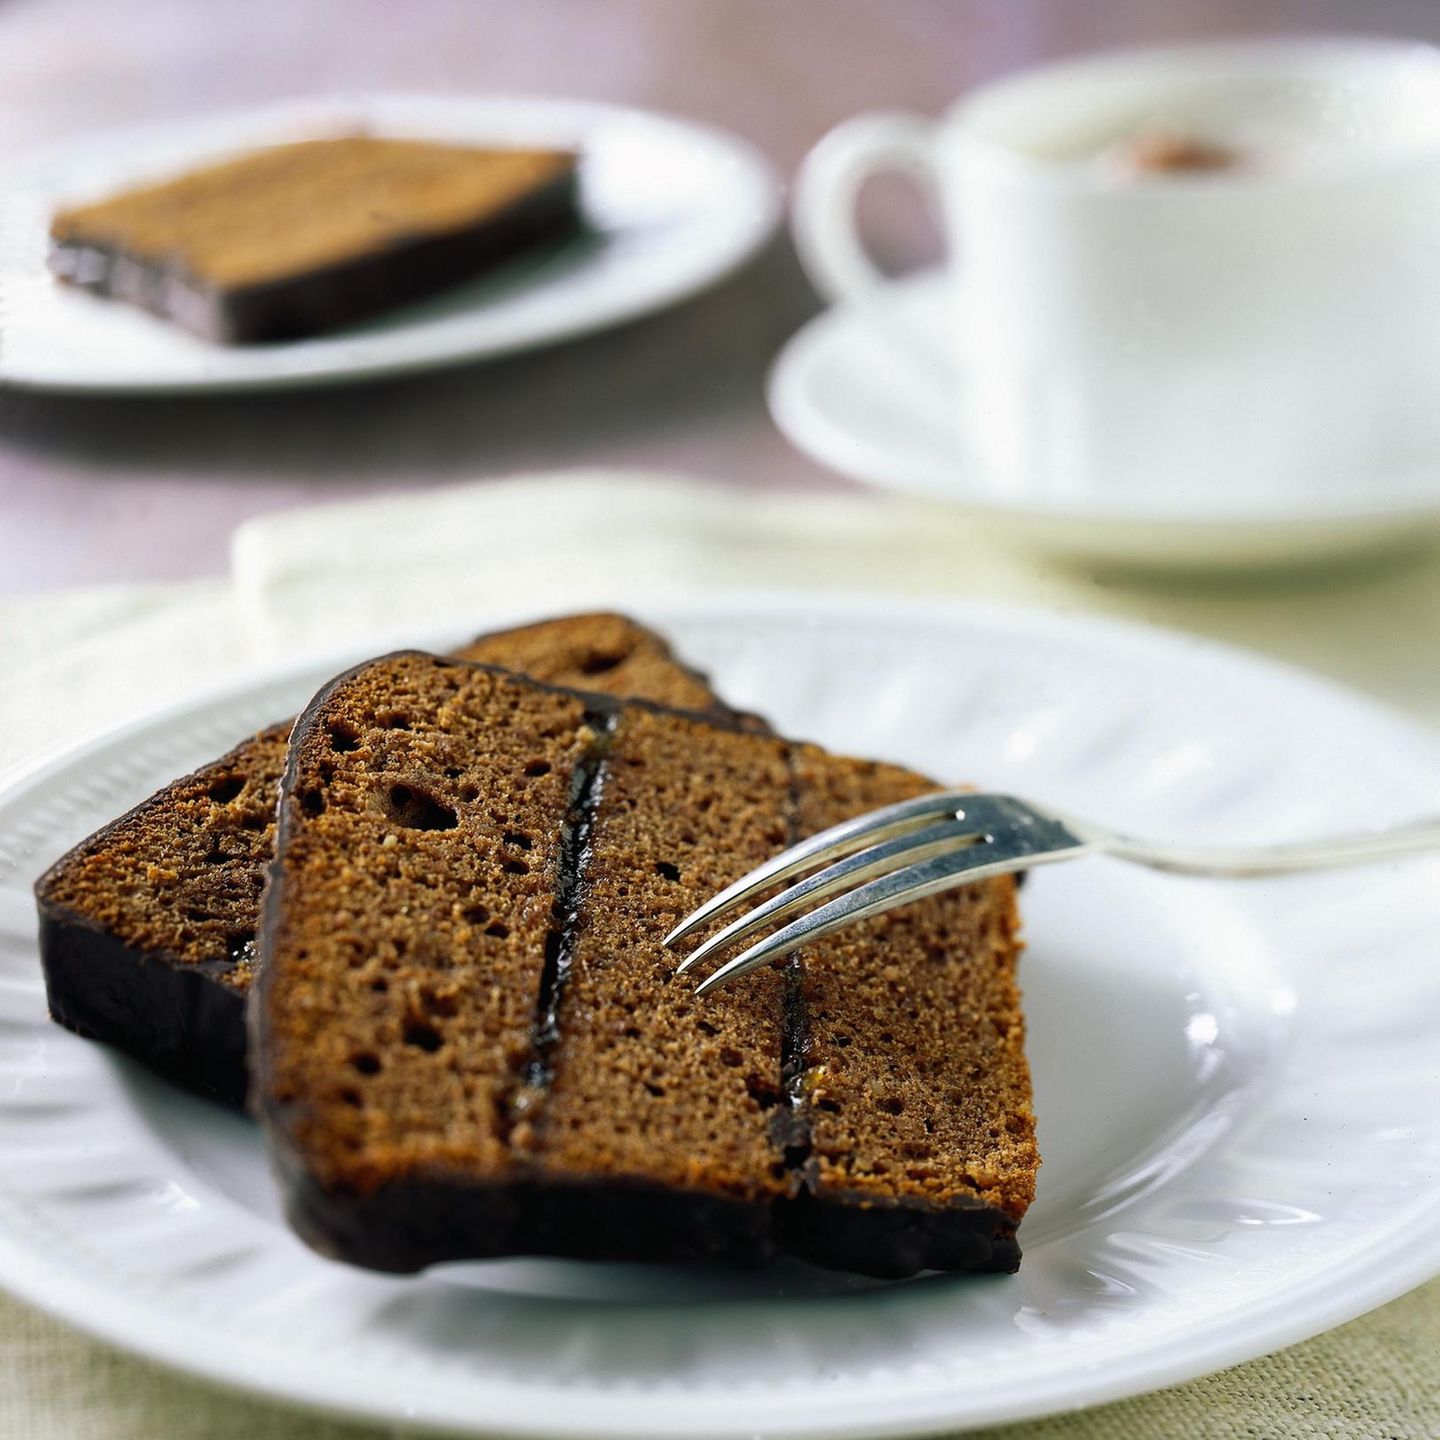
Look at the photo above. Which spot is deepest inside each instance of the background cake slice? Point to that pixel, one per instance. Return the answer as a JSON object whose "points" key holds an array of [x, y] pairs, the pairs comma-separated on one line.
{"points": [[415, 1115], [299, 239], [147, 928]]}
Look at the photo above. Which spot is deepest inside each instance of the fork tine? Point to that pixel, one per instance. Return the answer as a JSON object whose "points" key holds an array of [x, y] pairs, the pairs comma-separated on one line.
{"points": [[831, 844], [914, 882], [907, 849]]}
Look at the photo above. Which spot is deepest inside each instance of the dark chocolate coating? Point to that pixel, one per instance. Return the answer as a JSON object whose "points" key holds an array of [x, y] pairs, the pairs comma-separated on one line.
{"points": [[408, 1225], [174, 1017], [893, 1239], [405, 1226], [422, 1219], [317, 301]]}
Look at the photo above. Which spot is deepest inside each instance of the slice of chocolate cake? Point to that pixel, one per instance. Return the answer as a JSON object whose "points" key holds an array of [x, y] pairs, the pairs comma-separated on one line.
{"points": [[147, 928], [472, 1042], [296, 240]]}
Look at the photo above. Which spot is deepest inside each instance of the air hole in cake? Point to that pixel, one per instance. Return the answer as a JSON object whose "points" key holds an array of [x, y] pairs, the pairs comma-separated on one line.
{"points": [[416, 809], [762, 1092], [655, 1090], [380, 986], [499, 931], [452, 772], [240, 947], [667, 870], [842, 1041], [537, 768], [350, 1096], [366, 1062], [254, 822], [519, 839], [514, 867], [343, 737], [599, 664], [631, 1032], [469, 793], [891, 1104], [830, 1107], [394, 719], [475, 914], [731, 1057], [445, 1005], [198, 915], [423, 1036], [215, 855], [224, 789], [706, 1028], [312, 802]]}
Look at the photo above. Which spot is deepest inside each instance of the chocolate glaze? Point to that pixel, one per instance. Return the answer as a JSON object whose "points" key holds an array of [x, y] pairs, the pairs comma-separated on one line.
{"points": [[172, 1016], [329, 298], [408, 1225]]}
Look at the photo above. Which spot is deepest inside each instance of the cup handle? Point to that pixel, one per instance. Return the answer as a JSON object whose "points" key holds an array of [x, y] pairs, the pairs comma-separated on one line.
{"points": [[828, 185]]}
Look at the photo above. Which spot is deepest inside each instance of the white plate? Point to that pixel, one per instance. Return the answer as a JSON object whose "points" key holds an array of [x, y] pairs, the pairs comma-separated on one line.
{"points": [[872, 391], [673, 207], [1238, 1096]]}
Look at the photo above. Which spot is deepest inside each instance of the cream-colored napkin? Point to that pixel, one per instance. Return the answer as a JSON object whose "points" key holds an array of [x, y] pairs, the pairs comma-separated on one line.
{"points": [[348, 573], [379, 573]]}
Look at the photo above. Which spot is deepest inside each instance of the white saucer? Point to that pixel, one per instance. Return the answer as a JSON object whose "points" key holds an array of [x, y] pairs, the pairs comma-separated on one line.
{"points": [[672, 207], [871, 392], [1236, 1083]]}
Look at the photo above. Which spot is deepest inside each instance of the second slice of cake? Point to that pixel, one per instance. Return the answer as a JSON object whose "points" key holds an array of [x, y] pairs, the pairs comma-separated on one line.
{"points": [[472, 1041]]}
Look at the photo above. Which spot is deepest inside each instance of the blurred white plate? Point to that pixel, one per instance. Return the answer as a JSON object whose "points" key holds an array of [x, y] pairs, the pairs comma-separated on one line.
{"points": [[672, 207], [871, 391], [1238, 1097]]}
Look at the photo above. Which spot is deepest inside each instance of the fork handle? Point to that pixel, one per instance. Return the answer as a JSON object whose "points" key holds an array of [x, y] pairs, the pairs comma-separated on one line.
{"points": [[1328, 854]]}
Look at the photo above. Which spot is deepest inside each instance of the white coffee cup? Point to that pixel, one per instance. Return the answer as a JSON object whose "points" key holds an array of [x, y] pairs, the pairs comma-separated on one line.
{"points": [[1269, 325]]}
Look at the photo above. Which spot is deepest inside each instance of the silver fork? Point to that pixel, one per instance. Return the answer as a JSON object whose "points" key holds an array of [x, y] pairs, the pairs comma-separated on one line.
{"points": [[936, 842]]}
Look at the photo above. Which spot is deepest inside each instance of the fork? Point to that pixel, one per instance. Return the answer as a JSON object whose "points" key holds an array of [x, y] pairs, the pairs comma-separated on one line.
{"points": [[906, 852]]}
